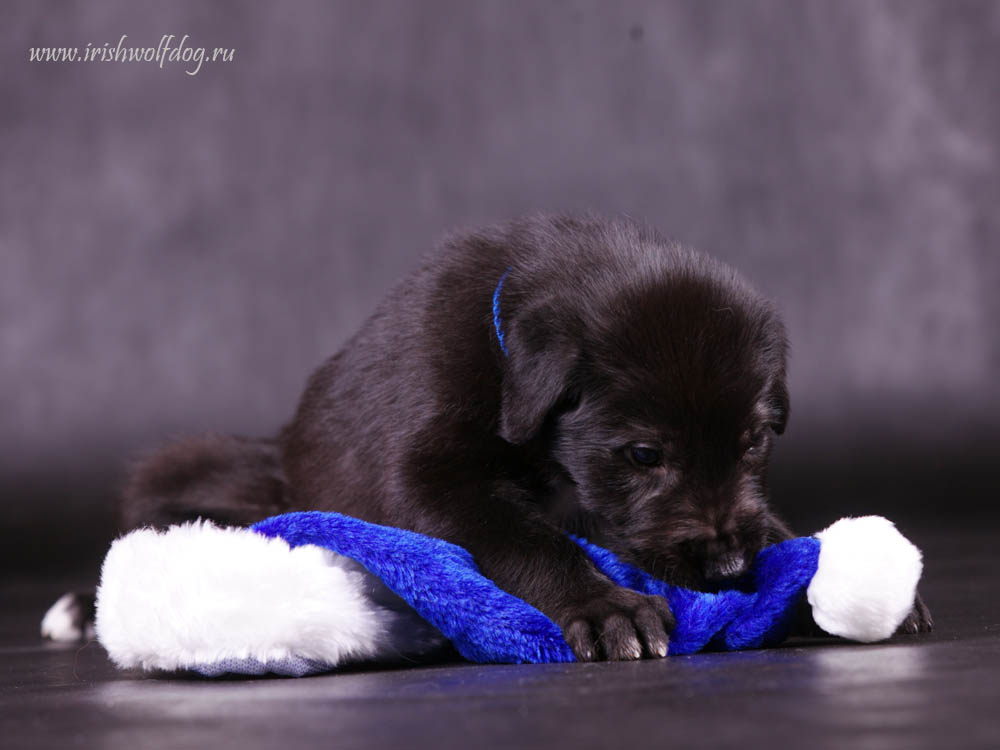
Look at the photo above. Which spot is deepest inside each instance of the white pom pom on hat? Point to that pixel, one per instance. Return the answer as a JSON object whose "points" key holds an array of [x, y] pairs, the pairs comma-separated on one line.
{"points": [[866, 579]]}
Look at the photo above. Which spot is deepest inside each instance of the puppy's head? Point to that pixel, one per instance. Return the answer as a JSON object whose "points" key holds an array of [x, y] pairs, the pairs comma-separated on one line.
{"points": [[658, 394]]}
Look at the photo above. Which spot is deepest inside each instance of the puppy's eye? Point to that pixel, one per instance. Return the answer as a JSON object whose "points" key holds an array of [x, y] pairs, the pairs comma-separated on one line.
{"points": [[643, 455], [756, 444]]}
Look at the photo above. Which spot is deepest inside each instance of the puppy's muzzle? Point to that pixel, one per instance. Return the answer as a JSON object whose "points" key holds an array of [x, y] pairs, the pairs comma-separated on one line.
{"points": [[721, 557], [724, 566]]}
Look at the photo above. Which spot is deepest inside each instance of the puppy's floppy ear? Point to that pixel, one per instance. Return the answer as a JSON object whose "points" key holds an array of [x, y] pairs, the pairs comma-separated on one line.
{"points": [[780, 405], [542, 351]]}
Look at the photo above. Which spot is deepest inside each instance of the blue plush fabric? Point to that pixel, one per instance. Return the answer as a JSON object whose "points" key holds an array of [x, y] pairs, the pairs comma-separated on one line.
{"points": [[486, 624]]}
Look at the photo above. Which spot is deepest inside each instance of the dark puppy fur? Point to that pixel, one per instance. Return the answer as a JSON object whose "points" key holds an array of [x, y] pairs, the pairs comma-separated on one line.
{"points": [[614, 385]]}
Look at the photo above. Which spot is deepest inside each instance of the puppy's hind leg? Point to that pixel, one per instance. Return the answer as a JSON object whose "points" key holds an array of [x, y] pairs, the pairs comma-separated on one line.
{"points": [[71, 618], [229, 480]]}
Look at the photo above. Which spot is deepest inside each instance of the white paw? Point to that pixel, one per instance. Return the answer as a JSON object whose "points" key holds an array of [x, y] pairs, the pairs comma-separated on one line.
{"points": [[65, 621]]}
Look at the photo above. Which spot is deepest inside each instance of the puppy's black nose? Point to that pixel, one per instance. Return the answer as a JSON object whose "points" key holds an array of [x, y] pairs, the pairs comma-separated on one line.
{"points": [[725, 566]]}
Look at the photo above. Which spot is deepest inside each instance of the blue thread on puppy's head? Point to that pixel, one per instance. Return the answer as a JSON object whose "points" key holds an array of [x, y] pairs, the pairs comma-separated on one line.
{"points": [[497, 323]]}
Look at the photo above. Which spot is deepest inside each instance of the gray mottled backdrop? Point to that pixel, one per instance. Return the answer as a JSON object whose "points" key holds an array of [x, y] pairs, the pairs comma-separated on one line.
{"points": [[178, 251]]}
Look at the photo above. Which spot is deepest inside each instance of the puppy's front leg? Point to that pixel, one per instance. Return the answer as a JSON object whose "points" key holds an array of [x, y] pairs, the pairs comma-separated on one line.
{"points": [[526, 555], [919, 620]]}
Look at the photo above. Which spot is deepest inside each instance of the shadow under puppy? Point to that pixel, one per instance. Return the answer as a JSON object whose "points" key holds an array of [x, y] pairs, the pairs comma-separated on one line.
{"points": [[551, 374]]}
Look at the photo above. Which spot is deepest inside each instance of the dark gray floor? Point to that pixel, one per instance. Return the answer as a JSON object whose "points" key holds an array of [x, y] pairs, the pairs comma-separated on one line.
{"points": [[938, 691]]}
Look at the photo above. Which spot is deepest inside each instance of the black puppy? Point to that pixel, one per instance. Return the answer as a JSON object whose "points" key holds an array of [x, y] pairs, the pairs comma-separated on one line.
{"points": [[546, 375]]}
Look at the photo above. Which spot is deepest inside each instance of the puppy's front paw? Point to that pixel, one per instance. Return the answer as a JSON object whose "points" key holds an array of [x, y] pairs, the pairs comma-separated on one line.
{"points": [[919, 620], [618, 625]]}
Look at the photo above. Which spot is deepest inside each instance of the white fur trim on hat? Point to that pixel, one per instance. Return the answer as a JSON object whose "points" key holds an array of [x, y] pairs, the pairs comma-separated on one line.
{"points": [[214, 599]]}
